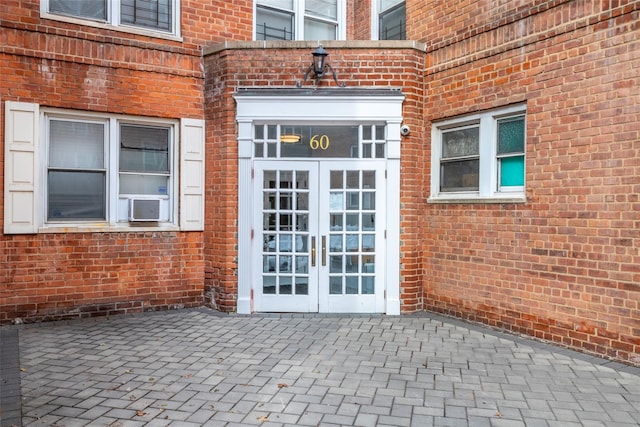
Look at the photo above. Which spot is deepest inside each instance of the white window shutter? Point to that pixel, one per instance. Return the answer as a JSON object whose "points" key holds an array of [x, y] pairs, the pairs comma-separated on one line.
{"points": [[192, 175], [21, 167]]}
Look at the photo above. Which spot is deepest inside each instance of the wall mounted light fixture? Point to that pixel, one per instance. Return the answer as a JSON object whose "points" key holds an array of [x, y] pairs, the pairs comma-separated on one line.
{"points": [[319, 66]]}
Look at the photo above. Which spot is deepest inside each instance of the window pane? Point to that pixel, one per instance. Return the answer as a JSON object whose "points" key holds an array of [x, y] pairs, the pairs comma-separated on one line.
{"points": [[144, 149], [76, 145], [76, 195], [511, 135], [280, 4], [147, 13], [315, 30], [460, 176], [393, 24], [144, 184], [460, 142], [273, 25], [512, 171], [386, 4], [324, 8], [93, 9]]}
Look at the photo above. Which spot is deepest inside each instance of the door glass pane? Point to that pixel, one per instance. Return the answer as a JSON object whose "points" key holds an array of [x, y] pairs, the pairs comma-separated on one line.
{"points": [[352, 285], [302, 264], [368, 242], [336, 179], [269, 201], [348, 244], [353, 202], [335, 242], [368, 200], [286, 250], [269, 285], [302, 221], [351, 265], [302, 201], [353, 222], [368, 287], [368, 221], [353, 179], [336, 222], [269, 243], [302, 286], [285, 285], [335, 264], [368, 179], [335, 285]]}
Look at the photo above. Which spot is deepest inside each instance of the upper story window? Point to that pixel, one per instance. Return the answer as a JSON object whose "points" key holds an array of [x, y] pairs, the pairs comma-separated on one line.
{"points": [[392, 20], [299, 20], [479, 157], [130, 15]]}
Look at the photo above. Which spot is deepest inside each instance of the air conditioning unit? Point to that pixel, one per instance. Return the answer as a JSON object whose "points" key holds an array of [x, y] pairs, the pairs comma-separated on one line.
{"points": [[144, 210]]}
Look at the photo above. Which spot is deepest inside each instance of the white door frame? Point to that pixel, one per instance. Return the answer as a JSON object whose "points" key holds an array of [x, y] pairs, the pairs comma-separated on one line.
{"points": [[343, 106]]}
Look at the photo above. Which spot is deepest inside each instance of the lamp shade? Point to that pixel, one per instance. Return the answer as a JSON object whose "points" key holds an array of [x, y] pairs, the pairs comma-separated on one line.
{"points": [[319, 56]]}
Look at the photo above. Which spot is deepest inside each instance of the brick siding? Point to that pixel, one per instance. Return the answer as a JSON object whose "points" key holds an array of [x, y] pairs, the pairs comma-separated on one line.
{"points": [[564, 266]]}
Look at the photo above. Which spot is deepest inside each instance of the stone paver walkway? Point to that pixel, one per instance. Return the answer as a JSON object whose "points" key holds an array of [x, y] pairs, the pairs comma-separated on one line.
{"points": [[202, 368]]}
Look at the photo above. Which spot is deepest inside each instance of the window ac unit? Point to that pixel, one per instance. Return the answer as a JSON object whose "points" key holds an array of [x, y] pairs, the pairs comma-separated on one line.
{"points": [[144, 209]]}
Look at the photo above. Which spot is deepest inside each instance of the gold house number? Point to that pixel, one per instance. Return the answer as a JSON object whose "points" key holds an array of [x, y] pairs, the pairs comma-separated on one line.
{"points": [[319, 142]]}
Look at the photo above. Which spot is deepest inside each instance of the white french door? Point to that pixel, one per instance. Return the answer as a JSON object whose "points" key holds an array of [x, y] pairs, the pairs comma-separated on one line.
{"points": [[319, 236]]}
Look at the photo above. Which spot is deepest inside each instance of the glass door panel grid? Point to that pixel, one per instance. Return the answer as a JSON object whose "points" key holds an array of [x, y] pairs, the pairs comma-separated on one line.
{"points": [[351, 246], [286, 245]]}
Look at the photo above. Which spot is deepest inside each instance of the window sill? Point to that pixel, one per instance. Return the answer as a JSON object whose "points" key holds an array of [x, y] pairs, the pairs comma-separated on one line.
{"points": [[477, 200], [106, 228]]}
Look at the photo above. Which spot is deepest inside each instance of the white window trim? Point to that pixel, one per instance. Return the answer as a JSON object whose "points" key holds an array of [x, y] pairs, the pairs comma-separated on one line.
{"points": [[299, 15], [488, 191], [113, 21], [112, 156]]}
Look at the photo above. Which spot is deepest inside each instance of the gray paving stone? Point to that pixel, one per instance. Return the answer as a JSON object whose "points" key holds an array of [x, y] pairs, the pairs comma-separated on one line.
{"points": [[198, 367]]}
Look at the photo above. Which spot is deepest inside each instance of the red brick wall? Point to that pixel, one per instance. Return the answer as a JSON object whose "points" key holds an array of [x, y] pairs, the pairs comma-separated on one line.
{"points": [[564, 266], [227, 69], [54, 64]]}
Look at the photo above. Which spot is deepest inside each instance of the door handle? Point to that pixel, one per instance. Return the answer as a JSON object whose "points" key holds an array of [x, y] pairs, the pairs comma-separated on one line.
{"points": [[324, 251], [313, 251]]}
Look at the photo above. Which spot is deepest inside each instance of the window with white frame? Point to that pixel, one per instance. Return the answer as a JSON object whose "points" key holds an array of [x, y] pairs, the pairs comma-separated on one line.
{"points": [[299, 20], [479, 156], [71, 170], [153, 15], [82, 180], [392, 20]]}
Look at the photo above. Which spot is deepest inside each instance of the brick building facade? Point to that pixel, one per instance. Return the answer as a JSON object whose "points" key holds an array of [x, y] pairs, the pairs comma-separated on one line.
{"points": [[512, 201]]}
